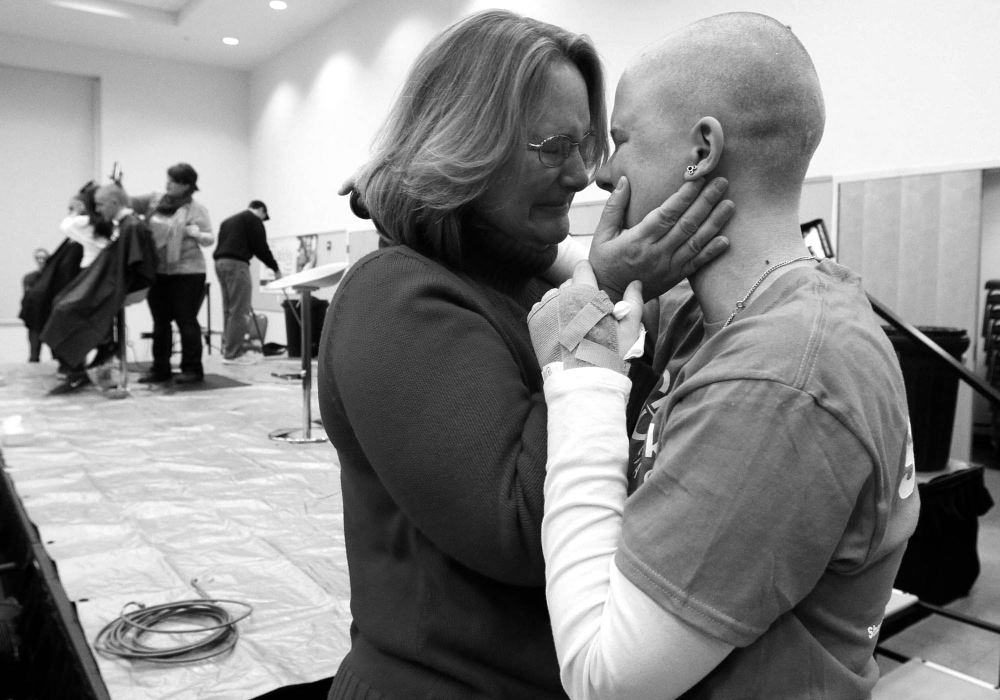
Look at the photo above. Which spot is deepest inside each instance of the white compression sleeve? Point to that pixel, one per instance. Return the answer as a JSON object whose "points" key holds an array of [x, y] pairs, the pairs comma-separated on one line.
{"points": [[612, 640]]}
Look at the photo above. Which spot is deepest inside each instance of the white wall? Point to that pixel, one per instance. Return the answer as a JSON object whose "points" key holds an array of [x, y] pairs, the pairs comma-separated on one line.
{"points": [[315, 108], [51, 152], [897, 74], [910, 85], [154, 113], [151, 114]]}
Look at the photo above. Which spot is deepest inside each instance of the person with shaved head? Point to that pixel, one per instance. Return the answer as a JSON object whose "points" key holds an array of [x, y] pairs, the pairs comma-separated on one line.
{"points": [[743, 540]]}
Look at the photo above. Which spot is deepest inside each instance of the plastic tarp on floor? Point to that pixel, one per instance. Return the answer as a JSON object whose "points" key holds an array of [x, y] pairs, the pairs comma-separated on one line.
{"points": [[135, 498]]}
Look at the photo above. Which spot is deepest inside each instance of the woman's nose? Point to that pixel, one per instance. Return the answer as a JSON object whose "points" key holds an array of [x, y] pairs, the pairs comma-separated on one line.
{"points": [[573, 173]]}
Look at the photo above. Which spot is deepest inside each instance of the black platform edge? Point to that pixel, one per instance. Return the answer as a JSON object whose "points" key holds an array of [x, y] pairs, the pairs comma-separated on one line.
{"points": [[317, 690], [57, 659]]}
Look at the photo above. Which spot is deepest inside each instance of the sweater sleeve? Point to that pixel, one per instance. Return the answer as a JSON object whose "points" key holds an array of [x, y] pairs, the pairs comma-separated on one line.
{"points": [[416, 375], [257, 238], [198, 216]]}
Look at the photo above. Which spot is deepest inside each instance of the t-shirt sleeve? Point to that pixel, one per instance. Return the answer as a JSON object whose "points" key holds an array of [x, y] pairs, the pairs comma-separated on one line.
{"points": [[442, 410], [751, 489]]}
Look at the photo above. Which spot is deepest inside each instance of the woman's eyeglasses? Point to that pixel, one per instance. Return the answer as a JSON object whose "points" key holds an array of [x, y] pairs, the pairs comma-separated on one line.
{"points": [[553, 151]]}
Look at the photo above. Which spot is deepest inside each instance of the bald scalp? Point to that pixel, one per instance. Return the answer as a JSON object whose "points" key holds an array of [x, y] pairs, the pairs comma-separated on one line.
{"points": [[112, 193], [751, 73]]}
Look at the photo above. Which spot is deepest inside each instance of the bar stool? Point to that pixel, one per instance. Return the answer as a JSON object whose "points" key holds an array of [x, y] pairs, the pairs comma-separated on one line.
{"points": [[305, 283]]}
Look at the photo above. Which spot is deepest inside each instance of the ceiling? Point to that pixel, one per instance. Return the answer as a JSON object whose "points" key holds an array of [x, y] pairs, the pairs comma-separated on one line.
{"points": [[184, 30]]}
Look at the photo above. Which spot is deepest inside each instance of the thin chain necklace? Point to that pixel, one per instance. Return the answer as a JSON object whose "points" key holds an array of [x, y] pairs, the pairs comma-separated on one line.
{"points": [[742, 303]]}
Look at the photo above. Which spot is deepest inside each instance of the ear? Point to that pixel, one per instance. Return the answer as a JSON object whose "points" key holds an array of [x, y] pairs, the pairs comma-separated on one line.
{"points": [[707, 142]]}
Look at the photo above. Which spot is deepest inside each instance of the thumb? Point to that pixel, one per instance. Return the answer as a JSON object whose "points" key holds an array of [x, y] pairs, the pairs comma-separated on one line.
{"points": [[628, 312], [631, 305], [633, 295], [610, 224]]}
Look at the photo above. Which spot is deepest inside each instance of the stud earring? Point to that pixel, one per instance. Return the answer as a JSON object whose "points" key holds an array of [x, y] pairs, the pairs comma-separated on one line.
{"points": [[691, 169]]}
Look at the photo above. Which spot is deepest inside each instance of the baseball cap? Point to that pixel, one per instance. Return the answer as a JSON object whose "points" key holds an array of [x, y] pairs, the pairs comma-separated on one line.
{"points": [[257, 204]]}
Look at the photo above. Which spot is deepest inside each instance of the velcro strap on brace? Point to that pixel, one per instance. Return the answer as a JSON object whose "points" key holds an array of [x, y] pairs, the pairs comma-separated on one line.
{"points": [[574, 325]]}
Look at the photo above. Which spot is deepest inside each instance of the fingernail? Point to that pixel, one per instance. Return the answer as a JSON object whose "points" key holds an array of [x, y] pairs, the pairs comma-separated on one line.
{"points": [[721, 184], [621, 184]]}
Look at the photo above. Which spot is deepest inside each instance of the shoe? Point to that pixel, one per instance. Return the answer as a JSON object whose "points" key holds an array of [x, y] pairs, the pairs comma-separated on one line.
{"points": [[189, 378], [104, 354], [155, 378], [247, 358], [70, 384]]}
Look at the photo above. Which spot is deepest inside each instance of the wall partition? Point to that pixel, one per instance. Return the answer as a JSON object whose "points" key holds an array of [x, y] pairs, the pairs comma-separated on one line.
{"points": [[915, 241]]}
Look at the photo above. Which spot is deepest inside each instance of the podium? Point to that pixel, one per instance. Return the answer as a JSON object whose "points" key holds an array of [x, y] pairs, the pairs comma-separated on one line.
{"points": [[305, 283]]}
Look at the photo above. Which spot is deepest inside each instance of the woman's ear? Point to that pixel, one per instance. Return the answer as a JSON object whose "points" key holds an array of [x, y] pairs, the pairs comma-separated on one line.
{"points": [[707, 141]]}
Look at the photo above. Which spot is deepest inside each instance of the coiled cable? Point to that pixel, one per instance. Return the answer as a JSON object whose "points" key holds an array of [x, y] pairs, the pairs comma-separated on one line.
{"points": [[126, 636]]}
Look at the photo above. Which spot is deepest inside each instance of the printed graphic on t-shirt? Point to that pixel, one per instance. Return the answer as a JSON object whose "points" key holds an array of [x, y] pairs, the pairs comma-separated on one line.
{"points": [[909, 480], [645, 435]]}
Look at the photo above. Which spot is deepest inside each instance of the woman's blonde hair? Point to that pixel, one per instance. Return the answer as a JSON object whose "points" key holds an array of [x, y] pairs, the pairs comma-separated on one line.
{"points": [[461, 116]]}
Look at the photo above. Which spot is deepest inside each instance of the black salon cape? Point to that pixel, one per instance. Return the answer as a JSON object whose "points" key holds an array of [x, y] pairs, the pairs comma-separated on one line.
{"points": [[59, 270], [85, 309]]}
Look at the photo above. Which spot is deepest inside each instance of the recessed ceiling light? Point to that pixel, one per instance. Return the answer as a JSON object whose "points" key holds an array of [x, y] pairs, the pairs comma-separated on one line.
{"points": [[230, 41], [278, 5]]}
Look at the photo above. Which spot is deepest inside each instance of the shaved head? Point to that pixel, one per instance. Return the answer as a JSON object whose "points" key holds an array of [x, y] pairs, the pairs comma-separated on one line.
{"points": [[109, 200], [752, 74], [111, 194]]}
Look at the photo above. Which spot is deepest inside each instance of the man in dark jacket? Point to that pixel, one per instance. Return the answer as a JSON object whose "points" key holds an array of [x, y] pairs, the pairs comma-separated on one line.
{"points": [[241, 237]]}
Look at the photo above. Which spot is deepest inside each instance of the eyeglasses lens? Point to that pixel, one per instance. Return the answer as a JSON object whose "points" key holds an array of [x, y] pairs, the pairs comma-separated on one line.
{"points": [[556, 149], [588, 150]]}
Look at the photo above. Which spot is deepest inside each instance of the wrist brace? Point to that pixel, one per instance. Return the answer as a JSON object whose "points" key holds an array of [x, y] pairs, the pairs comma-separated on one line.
{"points": [[574, 325]]}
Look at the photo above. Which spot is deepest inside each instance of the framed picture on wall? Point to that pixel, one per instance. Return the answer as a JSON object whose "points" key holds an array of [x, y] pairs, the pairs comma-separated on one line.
{"points": [[295, 254], [816, 238]]}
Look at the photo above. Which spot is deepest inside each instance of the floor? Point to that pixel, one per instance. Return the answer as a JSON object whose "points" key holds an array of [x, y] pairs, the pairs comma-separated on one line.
{"points": [[190, 492], [957, 646]]}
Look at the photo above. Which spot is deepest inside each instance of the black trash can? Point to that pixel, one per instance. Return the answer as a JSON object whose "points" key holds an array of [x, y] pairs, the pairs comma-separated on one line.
{"points": [[931, 391], [293, 329], [942, 559]]}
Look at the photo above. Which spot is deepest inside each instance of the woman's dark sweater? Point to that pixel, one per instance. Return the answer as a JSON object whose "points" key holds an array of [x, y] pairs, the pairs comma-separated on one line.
{"points": [[432, 396]]}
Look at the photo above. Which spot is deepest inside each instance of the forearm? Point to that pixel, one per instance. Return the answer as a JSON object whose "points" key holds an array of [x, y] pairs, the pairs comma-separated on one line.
{"points": [[199, 217], [585, 490], [612, 639], [259, 247], [482, 469], [477, 493], [204, 238]]}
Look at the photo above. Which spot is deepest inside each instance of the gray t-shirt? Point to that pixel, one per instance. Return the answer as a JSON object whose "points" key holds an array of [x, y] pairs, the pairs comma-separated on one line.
{"points": [[782, 488]]}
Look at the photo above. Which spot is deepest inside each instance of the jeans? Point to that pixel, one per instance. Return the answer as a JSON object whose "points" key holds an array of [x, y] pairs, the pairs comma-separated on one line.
{"points": [[236, 287], [177, 298]]}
